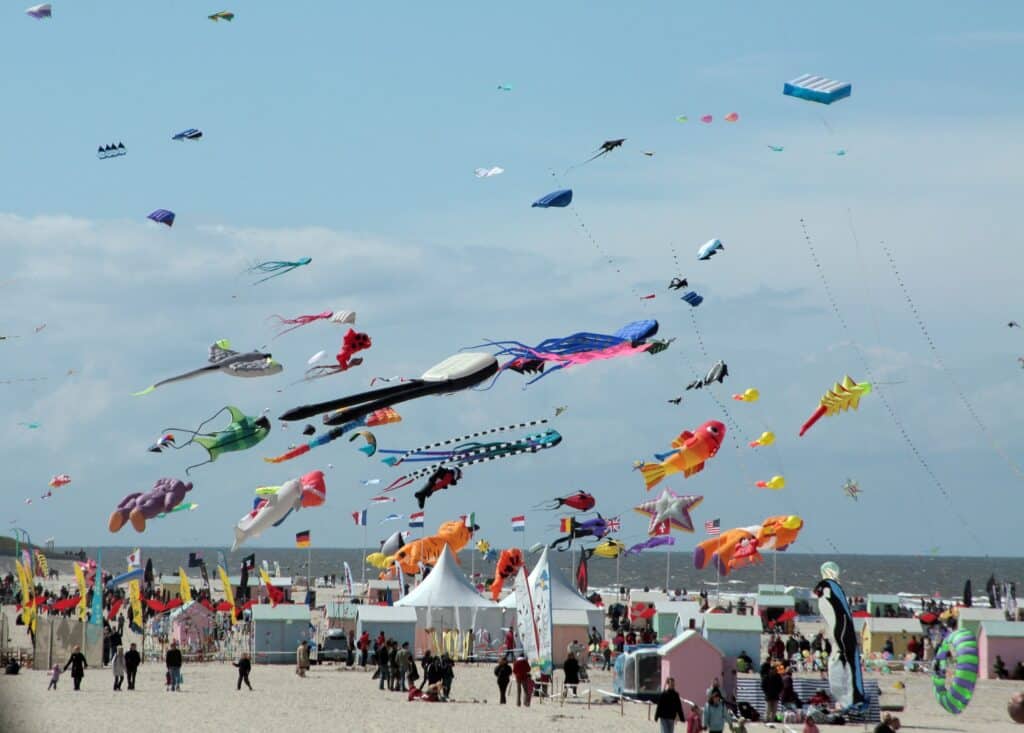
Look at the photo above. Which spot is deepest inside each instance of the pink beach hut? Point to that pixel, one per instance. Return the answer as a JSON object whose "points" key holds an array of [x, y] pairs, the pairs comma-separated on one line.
{"points": [[1000, 638], [695, 663], [191, 626]]}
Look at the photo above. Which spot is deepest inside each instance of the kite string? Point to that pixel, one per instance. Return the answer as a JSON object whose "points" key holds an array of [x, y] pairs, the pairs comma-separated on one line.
{"points": [[938, 359], [881, 394]]}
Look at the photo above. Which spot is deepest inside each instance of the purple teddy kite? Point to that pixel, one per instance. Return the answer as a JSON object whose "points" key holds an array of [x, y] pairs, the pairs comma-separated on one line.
{"points": [[166, 494]]}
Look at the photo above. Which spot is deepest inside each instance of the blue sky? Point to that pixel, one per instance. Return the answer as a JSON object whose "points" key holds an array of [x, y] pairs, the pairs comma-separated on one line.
{"points": [[349, 134]]}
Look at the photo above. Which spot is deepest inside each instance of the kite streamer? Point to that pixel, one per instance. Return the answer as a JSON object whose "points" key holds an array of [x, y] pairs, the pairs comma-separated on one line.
{"points": [[460, 439]]}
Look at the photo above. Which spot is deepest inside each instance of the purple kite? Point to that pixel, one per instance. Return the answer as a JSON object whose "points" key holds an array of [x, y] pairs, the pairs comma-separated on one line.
{"points": [[40, 11], [136, 508], [651, 544]]}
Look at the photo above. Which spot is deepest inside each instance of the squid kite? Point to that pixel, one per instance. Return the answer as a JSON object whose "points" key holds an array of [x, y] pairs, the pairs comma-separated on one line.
{"points": [[277, 267], [338, 317], [384, 416], [232, 363], [243, 432], [843, 396]]}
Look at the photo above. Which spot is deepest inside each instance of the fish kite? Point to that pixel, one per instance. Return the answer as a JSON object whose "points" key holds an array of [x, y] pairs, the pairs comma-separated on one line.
{"points": [[707, 119], [739, 547], [775, 482], [162, 216], [555, 199], [717, 373], [243, 432], [278, 267], [488, 172], [40, 11], [767, 438], [692, 450], [441, 478], [669, 507], [709, 248], [189, 134], [111, 151], [222, 15], [581, 501], [843, 396], [232, 363], [678, 283], [609, 549]]}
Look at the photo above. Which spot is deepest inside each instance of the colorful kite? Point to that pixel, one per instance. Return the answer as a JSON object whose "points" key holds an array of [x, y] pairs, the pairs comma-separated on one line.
{"points": [[278, 267], [166, 494], [277, 502], [775, 482], [737, 548], [609, 549], [488, 172], [352, 343], [650, 544], [575, 529], [61, 479], [843, 396], [852, 489], [243, 432], [384, 416], [716, 373], [748, 395], [425, 552], [692, 450], [669, 507], [581, 501], [232, 363], [371, 442]]}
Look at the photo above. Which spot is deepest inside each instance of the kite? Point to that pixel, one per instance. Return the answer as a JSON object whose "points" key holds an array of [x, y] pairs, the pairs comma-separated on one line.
{"points": [[371, 442], [488, 172], [243, 432], [748, 395], [186, 507], [669, 507], [508, 565], [839, 153], [222, 15], [560, 409], [776, 148], [650, 296], [394, 543], [309, 430], [717, 373], [40, 11], [693, 298], [682, 118], [581, 501], [111, 151], [165, 441], [504, 87], [576, 529], [766, 438], [606, 147], [277, 267], [775, 482], [162, 216], [844, 667], [692, 450], [384, 416], [817, 89], [31, 425], [441, 478], [578, 348], [232, 363], [189, 134], [707, 119], [650, 544], [426, 551], [382, 500], [678, 283], [852, 489], [338, 317], [454, 374], [732, 117], [1013, 324], [709, 248], [843, 396], [737, 548], [675, 401], [61, 479], [609, 549], [351, 344], [278, 502], [648, 153], [166, 494], [557, 199]]}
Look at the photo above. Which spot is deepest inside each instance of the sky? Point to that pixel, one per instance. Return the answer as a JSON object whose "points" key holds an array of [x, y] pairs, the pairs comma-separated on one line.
{"points": [[349, 134]]}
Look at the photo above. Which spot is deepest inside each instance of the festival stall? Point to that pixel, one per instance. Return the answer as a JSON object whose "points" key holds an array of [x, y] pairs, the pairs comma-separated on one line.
{"points": [[972, 618], [192, 627], [881, 605], [776, 611]]}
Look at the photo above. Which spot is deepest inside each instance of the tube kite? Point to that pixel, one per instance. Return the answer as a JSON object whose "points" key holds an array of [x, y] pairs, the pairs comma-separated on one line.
{"points": [[384, 416]]}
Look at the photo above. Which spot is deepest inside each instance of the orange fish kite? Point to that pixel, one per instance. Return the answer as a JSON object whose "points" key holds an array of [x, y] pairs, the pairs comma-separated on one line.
{"points": [[691, 451]]}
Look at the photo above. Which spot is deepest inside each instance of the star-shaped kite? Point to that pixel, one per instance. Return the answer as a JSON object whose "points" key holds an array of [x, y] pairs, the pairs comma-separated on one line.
{"points": [[672, 508]]}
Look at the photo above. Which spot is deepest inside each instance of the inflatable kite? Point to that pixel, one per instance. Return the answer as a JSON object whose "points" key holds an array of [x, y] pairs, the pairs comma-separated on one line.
{"points": [[351, 344], [338, 317], [384, 416], [555, 199], [775, 482], [609, 549], [766, 438], [581, 501], [508, 564], [371, 442], [692, 450], [111, 151], [678, 283], [732, 117], [223, 359], [165, 441], [426, 551], [958, 654], [843, 396], [737, 548], [576, 529], [166, 494], [817, 89], [844, 668], [454, 374], [243, 432], [748, 395], [578, 348], [716, 373], [61, 479], [277, 502], [189, 134], [693, 298], [669, 507], [278, 267], [222, 15], [162, 216], [40, 11], [650, 544], [709, 249], [441, 478]]}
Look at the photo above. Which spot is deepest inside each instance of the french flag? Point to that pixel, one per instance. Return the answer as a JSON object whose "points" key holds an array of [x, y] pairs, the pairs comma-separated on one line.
{"points": [[519, 523], [416, 519], [359, 518]]}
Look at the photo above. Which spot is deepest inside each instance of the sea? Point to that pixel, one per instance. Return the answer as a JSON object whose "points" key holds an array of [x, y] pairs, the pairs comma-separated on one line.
{"points": [[920, 576]]}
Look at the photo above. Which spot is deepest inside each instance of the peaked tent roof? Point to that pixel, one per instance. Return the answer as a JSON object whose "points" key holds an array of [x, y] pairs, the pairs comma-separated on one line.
{"points": [[563, 596], [445, 587]]}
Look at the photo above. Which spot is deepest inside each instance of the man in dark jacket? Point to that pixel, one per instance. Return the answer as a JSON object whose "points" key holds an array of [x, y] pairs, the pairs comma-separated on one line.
{"points": [[78, 664], [244, 667], [504, 674], [132, 660], [383, 664], [670, 707], [173, 661], [571, 670], [771, 686]]}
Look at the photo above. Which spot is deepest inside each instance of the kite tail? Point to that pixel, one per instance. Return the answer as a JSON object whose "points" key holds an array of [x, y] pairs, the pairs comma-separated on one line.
{"points": [[817, 415], [399, 483], [299, 321], [653, 474]]}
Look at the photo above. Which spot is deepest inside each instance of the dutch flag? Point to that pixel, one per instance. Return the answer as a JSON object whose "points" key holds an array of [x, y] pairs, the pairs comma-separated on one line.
{"points": [[519, 523]]}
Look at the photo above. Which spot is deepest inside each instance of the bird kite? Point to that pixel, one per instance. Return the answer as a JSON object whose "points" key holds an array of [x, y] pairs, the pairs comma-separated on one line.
{"points": [[243, 432], [232, 363], [670, 507], [843, 396], [162, 216], [278, 267], [717, 373]]}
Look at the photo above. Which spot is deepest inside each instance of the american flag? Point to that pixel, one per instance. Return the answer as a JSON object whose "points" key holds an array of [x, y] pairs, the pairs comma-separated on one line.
{"points": [[614, 524], [713, 527]]}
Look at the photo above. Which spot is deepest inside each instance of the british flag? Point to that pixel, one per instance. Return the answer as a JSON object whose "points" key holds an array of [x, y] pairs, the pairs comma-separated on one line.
{"points": [[614, 525]]}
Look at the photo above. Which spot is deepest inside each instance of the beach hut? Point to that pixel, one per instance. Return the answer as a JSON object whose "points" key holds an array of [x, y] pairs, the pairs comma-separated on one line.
{"points": [[637, 672], [566, 627], [396, 622], [881, 605], [191, 627], [695, 663], [972, 618], [688, 616], [734, 635], [277, 631], [342, 615], [776, 611], [877, 630], [381, 591], [1004, 639]]}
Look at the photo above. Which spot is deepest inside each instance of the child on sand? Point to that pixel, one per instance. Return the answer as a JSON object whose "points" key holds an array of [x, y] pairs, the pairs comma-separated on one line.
{"points": [[54, 676]]}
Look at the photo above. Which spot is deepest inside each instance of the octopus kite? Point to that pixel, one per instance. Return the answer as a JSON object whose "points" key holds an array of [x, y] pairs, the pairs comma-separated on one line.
{"points": [[278, 267], [338, 317], [575, 529]]}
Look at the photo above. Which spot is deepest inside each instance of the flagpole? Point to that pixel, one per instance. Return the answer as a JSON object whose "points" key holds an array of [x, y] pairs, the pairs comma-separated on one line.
{"points": [[309, 567], [668, 566], [364, 558]]}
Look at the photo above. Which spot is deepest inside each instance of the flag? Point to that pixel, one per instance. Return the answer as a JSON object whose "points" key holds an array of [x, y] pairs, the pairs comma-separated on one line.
{"points": [[382, 499], [41, 566], [416, 519], [135, 559], [195, 559], [96, 615], [276, 594], [249, 562], [185, 590], [614, 524], [206, 576], [519, 523], [302, 538], [401, 580], [135, 598], [359, 518], [220, 559], [470, 520], [348, 579], [713, 527], [662, 529], [229, 594], [390, 518], [566, 525], [582, 576]]}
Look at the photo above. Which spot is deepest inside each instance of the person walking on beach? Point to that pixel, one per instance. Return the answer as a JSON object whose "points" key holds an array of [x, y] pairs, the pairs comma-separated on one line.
{"points": [[694, 722], [78, 664], [132, 660], [669, 708], [771, 686], [383, 666], [117, 666], [244, 667], [364, 648], [716, 714], [402, 658], [173, 661], [571, 670], [54, 676], [396, 678], [447, 675], [301, 658], [504, 674], [521, 670]]}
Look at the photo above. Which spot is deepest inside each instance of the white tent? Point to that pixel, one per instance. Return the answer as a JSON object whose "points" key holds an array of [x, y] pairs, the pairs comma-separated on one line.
{"points": [[564, 597], [446, 600]]}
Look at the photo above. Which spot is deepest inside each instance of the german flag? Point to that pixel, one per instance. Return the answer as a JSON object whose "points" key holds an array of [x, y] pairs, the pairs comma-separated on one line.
{"points": [[302, 539]]}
